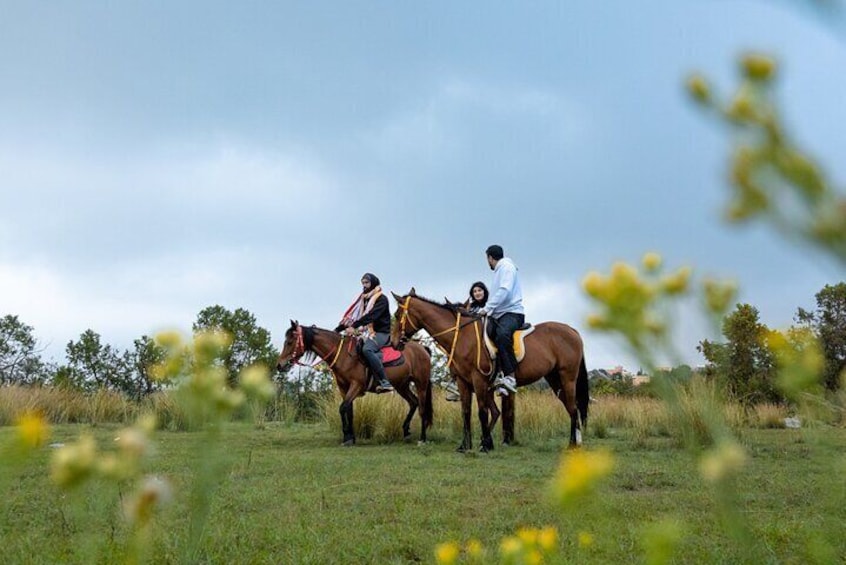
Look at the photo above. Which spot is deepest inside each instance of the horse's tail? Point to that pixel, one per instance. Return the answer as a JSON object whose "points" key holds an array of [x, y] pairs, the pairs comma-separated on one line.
{"points": [[428, 410], [582, 392]]}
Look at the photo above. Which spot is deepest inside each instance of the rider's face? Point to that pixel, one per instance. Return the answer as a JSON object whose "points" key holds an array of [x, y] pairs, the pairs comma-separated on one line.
{"points": [[478, 294], [365, 284]]}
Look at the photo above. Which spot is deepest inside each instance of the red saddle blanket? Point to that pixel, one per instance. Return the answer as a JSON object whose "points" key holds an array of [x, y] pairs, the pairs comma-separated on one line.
{"points": [[389, 354]]}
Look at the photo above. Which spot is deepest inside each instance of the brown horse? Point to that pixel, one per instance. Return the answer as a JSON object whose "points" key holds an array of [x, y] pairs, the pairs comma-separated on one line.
{"points": [[351, 374], [553, 352]]}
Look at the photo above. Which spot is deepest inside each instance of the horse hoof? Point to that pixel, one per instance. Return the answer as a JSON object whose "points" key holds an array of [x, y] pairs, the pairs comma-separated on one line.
{"points": [[348, 443], [483, 449], [461, 448]]}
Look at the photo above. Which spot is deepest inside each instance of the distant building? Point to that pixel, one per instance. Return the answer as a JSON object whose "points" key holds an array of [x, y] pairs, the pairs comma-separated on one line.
{"points": [[638, 380]]}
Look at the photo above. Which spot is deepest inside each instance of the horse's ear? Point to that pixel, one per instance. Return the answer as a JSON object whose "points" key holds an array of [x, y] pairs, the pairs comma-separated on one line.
{"points": [[397, 297], [412, 292], [293, 324]]}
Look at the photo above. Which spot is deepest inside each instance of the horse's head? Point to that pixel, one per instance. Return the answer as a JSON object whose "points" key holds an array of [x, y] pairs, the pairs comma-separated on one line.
{"points": [[292, 349], [405, 325]]}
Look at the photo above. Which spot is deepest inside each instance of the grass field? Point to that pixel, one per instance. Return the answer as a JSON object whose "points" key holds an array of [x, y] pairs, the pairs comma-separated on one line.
{"points": [[290, 494]]}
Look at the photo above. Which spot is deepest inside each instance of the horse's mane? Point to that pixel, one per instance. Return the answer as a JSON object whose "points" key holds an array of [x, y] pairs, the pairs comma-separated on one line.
{"points": [[448, 305], [309, 356], [454, 307]]}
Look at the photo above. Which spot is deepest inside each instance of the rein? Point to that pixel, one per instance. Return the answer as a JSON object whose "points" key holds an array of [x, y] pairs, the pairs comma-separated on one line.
{"points": [[300, 349], [457, 328]]}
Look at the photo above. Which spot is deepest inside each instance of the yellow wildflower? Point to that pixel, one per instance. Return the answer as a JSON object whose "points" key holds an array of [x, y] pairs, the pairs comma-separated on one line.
{"points": [[548, 538], [255, 382], [758, 67], [73, 463], [721, 461], [718, 295], [475, 549], [698, 88], [585, 539], [652, 261], [510, 546], [579, 470], [594, 284], [447, 553], [677, 282], [533, 557], [33, 430], [527, 535]]}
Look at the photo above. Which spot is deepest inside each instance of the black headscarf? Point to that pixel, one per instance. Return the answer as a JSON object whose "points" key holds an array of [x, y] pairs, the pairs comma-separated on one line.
{"points": [[374, 280]]}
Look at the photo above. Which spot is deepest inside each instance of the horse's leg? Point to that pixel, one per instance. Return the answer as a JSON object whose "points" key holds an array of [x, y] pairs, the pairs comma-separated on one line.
{"points": [[508, 416], [424, 403], [466, 400], [405, 391], [565, 391], [346, 411], [495, 413], [480, 384]]}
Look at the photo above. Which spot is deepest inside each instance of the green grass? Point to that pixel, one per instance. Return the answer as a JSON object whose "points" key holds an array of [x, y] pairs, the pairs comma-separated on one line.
{"points": [[290, 494]]}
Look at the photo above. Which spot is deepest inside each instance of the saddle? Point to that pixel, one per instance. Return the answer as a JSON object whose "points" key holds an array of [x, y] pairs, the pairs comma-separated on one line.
{"points": [[519, 341], [390, 358]]}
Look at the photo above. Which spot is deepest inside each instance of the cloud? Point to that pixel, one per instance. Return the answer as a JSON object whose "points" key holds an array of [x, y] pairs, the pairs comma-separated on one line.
{"points": [[101, 207]]}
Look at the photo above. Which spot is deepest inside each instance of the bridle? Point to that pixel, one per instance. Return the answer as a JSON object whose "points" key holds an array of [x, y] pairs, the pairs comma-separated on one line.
{"points": [[300, 349], [406, 317]]}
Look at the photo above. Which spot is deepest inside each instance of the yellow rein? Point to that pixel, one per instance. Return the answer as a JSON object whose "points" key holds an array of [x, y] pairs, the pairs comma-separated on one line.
{"points": [[405, 317], [338, 351]]}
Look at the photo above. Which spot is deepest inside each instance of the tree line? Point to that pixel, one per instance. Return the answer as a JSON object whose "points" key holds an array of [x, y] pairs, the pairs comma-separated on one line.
{"points": [[743, 362], [91, 364]]}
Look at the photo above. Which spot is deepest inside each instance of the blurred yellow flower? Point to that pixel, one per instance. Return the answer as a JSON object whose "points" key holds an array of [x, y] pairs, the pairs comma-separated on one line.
{"points": [[652, 261], [170, 340], [527, 535], [255, 382], [447, 553], [719, 295], [756, 66], [510, 546], [698, 87], [721, 461], [585, 539], [593, 284], [677, 283], [33, 430], [475, 549], [71, 464], [578, 472], [533, 557], [548, 538]]}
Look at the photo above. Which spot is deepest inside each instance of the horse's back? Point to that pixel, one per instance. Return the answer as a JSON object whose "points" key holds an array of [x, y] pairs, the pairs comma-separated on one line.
{"points": [[555, 335]]}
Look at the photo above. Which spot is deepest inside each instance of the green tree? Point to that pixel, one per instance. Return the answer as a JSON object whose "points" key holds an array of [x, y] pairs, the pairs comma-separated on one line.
{"points": [[743, 362], [92, 365], [147, 354], [20, 362], [251, 344], [828, 322]]}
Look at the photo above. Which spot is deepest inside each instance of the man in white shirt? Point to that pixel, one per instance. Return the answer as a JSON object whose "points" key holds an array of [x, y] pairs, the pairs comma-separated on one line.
{"points": [[505, 308]]}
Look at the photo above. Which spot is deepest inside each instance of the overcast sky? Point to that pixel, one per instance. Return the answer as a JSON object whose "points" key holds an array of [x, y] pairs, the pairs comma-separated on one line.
{"points": [[160, 157]]}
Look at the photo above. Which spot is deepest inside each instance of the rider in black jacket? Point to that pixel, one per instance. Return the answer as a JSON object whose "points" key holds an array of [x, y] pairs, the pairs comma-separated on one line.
{"points": [[372, 312]]}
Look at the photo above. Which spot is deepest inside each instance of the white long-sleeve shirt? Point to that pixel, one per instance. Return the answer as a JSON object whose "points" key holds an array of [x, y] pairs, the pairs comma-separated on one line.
{"points": [[506, 292]]}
